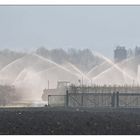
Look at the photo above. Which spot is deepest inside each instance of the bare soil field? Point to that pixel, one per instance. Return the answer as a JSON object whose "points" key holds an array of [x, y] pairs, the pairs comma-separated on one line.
{"points": [[63, 121]]}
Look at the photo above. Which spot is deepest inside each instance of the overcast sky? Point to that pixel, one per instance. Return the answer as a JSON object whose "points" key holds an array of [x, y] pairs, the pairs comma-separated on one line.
{"points": [[100, 28]]}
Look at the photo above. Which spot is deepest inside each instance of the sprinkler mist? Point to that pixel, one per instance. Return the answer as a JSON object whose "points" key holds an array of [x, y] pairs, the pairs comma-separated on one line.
{"points": [[30, 75]]}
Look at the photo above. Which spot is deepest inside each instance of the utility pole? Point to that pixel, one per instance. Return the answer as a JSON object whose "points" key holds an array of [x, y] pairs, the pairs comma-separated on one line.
{"points": [[48, 84], [82, 81]]}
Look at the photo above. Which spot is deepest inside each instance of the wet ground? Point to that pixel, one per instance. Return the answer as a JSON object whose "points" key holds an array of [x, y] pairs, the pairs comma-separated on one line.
{"points": [[56, 121]]}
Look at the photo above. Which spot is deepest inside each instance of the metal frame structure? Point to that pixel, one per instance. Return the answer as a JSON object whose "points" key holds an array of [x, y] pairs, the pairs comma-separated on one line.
{"points": [[112, 100]]}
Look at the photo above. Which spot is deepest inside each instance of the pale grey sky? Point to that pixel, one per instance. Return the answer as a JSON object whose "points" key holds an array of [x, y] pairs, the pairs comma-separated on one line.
{"points": [[100, 28]]}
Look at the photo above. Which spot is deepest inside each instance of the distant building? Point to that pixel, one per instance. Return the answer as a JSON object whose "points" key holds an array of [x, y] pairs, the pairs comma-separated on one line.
{"points": [[137, 51], [120, 53], [130, 53]]}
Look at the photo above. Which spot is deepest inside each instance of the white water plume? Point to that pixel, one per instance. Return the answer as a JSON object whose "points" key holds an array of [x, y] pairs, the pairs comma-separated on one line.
{"points": [[79, 73], [30, 74], [33, 81], [138, 75], [98, 69], [112, 75]]}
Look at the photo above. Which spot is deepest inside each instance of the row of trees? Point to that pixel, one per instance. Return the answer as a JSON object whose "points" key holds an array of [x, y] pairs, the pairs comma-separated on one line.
{"points": [[7, 56], [83, 59], [8, 95]]}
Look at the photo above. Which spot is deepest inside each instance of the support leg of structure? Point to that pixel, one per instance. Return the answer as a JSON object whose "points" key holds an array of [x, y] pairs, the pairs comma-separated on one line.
{"points": [[67, 98]]}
